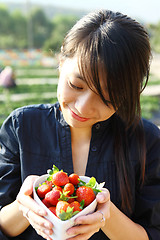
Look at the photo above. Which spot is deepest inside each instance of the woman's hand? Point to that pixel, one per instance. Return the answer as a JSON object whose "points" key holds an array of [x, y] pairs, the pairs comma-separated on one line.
{"points": [[92, 223], [32, 211]]}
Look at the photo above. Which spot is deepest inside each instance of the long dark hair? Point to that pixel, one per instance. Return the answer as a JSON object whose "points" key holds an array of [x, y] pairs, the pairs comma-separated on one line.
{"points": [[114, 49]]}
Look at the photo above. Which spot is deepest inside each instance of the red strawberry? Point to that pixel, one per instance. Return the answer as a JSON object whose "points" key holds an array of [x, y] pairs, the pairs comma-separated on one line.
{"points": [[58, 188], [47, 204], [52, 197], [60, 207], [70, 200], [76, 206], [53, 210], [65, 211], [42, 190], [49, 183], [69, 187], [60, 178], [73, 178], [85, 193]]}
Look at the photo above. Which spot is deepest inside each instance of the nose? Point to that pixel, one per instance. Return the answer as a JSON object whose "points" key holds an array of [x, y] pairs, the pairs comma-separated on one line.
{"points": [[85, 103]]}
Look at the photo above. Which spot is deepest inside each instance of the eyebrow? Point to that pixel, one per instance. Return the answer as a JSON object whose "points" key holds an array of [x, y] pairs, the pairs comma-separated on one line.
{"points": [[77, 75]]}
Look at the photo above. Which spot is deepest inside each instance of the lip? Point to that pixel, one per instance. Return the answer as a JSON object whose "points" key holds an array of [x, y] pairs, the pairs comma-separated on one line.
{"points": [[81, 119]]}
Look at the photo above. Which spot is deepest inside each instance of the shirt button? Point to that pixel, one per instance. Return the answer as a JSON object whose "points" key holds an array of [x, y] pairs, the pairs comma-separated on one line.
{"points": [[98, 126], [94, 149]]}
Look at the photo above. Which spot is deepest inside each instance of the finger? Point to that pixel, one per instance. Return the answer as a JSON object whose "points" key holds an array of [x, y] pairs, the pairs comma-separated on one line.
{"points": [[30, 203], [81, 236], [103, 196], [45, 236], [39, 221], [24, 210], [27, 186], [91, 219], [82, 231], [26, 200], [87, 224], [41, 229]]}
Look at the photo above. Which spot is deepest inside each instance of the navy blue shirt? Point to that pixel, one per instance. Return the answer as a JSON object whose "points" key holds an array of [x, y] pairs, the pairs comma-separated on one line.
{"points": [[33, 138]]}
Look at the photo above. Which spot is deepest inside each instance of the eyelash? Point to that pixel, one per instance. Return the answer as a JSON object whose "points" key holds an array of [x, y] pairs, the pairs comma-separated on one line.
{"points": [[75, 87]]}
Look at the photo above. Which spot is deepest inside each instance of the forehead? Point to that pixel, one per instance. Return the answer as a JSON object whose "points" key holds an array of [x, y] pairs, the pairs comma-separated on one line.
{"points": [[70, 65]]}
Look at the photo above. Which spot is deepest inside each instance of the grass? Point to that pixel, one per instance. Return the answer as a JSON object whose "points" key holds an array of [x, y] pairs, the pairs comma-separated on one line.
{"points": [[7, 107], [36, 76], [37, 88], [149, 106]]}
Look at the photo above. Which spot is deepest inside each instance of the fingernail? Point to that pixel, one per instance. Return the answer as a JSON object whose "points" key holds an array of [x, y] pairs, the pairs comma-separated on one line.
{"points": [[101, 196]]}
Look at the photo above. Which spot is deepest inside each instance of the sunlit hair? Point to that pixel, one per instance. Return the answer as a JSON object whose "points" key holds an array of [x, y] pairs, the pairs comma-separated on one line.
{"points": [[114, 49]]}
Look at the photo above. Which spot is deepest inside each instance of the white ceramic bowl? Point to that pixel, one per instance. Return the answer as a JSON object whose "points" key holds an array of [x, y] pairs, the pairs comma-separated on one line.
{"points": [[60, 227]]}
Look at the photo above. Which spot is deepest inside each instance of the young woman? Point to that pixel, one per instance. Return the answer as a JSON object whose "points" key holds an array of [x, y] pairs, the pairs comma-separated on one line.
{"points": [[95, 129]]}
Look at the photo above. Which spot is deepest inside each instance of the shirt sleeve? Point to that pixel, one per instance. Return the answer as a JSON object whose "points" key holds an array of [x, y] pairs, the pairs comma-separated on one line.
{"points": [[10, 177], [3, 237], [147, 207]]}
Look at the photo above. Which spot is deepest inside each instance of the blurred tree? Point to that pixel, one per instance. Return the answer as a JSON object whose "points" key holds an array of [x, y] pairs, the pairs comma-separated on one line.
{"points": [[6, 39], [41, 27], [61, 25], [5, 20], [19, 30], [154, 31]]}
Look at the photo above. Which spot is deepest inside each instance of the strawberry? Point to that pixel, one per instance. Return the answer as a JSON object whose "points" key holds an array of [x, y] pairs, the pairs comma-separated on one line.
{"points": [[53, 210], [52, 197], [42, 190], [70, 200], [76, 206], [60, 178], [69, 188], [85, 193], [57, 188], [64, 211], [49, 183], [61, 207], [47, 204], [74, 178]]}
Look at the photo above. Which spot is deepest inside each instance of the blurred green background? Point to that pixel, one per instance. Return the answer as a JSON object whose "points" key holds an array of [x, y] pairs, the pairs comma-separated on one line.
{"points": [[30, 41]]}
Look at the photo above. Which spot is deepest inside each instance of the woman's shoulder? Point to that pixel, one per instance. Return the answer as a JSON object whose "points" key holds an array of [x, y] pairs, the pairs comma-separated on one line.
{"points": [[152, 136], [35, 109], [151, 130], [32, 114]]}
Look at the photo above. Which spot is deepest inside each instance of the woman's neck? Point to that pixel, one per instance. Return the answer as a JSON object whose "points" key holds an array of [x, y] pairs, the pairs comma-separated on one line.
{"points": [[80, 141], [80, 134]]}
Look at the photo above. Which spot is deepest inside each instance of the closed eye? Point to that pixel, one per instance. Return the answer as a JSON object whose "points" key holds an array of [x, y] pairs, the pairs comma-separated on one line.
{"points": [[75, 87]]}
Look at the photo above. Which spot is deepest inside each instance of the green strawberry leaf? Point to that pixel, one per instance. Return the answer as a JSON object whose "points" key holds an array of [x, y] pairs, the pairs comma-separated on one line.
{"points": [[63, 196], [74, 213], [96, 190], [81, 183], [49, 178], [91, 183], [66, 215], [82, 204], [44, 183], [53, 170]]}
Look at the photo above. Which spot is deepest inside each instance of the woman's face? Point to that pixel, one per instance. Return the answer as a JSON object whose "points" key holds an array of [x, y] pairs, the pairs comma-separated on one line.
{"points": [[81, 107]]}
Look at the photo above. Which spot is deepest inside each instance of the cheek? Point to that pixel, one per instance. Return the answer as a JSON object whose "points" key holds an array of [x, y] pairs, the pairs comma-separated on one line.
{"points": [[63, 91], [107, 112]]}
